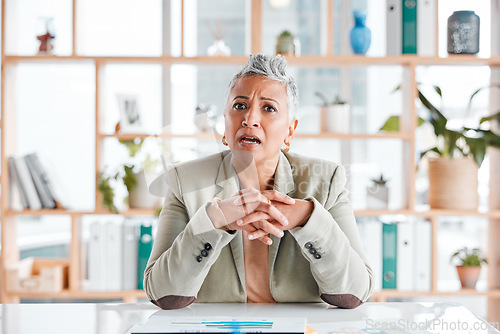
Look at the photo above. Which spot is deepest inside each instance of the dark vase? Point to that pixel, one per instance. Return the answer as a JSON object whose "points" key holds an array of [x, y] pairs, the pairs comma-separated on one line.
{"points": [[463, 32], [361, 35]]}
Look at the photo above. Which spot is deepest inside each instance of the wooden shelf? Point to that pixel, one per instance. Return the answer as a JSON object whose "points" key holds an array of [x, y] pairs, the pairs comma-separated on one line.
{"points": [[69, 294], [390, 293], [427, 214], [43, 212], [313, 61]]}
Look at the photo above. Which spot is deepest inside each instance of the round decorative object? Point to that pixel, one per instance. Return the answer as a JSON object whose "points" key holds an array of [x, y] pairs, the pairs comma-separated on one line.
{"points": [[208, 246], [308, 245], [199, 258], [204, 253], [361, 35], [463, 32], [312, 251]]}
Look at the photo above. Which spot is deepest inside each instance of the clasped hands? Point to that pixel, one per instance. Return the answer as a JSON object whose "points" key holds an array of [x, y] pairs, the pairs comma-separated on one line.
{"points": [[260, 213]]}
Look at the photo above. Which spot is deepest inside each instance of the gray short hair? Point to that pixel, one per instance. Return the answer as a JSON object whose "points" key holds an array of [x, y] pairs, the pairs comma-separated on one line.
{"points": [[273, 68]]}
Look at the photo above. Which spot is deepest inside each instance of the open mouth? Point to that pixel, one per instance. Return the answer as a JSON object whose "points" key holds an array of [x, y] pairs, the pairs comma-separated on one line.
{"points": [[250, 140]]}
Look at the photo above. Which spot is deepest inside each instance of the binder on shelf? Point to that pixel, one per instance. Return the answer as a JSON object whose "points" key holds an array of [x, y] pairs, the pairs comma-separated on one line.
{"points": [[145, 246], [371, 236], [409, 41], [389, 255], [97, 256], [17, 197], [27, 184], [405, 256], [130, 250], [426, 28], [394, 27], [114, 253], [423, 255], [41, 188]]}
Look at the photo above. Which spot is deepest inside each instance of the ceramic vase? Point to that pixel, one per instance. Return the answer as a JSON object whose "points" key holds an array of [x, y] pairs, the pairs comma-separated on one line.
{"points": [[361, 35], [463, 32], [140, 197], [336, 118], [453, 183]]}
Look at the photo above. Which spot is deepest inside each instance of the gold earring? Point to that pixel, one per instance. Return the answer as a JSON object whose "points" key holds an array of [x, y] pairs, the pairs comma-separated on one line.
{"points": [[224, 140], [287, 147]]}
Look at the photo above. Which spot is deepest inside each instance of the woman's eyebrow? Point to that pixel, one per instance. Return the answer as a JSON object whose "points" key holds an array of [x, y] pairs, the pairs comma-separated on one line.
{"points": [[241, 97], [269, 99]]}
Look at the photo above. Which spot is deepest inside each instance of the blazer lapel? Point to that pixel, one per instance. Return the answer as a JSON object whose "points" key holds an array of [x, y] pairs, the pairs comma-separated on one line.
{"points": [[228, 184], [283, 182]]}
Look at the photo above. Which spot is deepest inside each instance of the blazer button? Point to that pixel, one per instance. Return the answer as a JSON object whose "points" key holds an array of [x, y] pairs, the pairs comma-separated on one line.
{"points": [[312, 251], [317, 256], [199, 258], [208, 246], [204, 253], [309, 245]]}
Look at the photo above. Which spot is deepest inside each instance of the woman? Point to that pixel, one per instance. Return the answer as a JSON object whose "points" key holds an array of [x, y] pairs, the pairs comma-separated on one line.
{"points": [[255, 223]]}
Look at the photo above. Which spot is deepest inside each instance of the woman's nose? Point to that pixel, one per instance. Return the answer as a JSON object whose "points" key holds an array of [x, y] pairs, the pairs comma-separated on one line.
{"points": [[252, 119]]}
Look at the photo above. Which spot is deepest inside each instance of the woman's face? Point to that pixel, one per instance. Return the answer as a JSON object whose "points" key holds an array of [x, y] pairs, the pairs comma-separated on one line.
{"points": [[256, 118]]}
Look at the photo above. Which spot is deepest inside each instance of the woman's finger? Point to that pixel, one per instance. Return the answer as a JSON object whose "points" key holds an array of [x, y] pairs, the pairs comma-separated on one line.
{"points": [[253, 217], [265, 227], [261, 232], [274, 195]]}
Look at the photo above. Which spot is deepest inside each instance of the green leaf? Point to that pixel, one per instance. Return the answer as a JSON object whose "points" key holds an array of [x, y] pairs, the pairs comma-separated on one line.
{"points": [[107, 192], [495, 117], [129, 179], [391, 125], [437, 120], [434, 149], [477, 148]]}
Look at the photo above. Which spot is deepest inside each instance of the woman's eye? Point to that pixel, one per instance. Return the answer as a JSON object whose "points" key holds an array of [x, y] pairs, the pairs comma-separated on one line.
{"points": [[269, 108], [239, 106]]}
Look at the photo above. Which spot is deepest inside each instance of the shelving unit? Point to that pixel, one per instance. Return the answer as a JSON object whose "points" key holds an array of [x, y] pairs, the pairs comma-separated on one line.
{"points": [[409, 63]]}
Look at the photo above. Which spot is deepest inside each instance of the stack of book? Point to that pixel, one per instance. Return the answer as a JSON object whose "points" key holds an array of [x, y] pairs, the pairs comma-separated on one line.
{"points": [[411, 27], [116, 253], [399, 253], [30, 186]]}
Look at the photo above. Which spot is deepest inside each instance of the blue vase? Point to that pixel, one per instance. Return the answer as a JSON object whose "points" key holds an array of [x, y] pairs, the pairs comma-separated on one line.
{"points": [[361, 36]]}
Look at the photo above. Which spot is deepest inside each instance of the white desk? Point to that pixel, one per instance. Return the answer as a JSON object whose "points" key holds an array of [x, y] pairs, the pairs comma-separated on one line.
{"points": [[119, 318]]}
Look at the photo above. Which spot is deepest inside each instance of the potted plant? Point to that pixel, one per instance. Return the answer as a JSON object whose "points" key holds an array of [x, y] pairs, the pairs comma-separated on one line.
{"points": [[287, 44], [469, 263], [454, 161], [377, 194], [131, 175], [335, 115]]}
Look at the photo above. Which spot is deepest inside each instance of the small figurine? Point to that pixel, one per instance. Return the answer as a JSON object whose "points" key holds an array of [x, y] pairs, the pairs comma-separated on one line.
{"points": [[46, 39]]}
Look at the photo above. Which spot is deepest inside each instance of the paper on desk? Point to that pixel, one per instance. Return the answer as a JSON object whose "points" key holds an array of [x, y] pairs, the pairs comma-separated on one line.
{"points": [[158, 323]]}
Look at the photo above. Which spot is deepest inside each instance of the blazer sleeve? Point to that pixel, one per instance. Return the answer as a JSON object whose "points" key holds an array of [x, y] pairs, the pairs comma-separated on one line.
{"points": [[183, 251], [330, 242]]}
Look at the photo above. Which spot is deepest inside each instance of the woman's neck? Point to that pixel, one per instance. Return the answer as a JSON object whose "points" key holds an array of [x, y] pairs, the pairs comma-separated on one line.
{"points": [[258, 175]]}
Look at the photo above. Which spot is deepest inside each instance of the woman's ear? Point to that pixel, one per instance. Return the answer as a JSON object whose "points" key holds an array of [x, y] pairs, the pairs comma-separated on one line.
{"points": [[291, 129]]}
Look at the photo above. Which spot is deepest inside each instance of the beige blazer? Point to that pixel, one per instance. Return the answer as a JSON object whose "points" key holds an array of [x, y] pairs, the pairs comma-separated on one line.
{"points": [[191, 260]]}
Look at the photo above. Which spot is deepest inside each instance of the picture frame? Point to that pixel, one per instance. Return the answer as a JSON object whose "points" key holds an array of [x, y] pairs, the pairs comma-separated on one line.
{"points": [[130, 115]]}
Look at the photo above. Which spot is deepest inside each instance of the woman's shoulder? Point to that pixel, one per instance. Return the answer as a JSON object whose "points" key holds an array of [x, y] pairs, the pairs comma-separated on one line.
{"points": [[316, 166], [202, 166]]}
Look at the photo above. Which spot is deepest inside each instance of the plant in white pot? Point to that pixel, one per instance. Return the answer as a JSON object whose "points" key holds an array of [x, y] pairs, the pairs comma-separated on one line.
{"points": [[130, 174], [454, 161], [335, 115], [377, 194], [468, 262]]}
